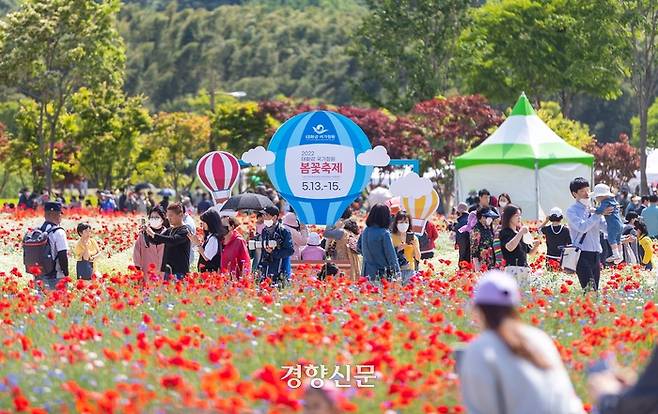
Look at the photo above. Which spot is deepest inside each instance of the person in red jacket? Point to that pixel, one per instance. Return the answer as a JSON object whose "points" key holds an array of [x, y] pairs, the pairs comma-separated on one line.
{"points": [[235, 255], [427, 240]]}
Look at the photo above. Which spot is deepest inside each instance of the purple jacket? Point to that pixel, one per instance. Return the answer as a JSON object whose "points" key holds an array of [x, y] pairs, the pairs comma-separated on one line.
{"points": [[313, 253]]}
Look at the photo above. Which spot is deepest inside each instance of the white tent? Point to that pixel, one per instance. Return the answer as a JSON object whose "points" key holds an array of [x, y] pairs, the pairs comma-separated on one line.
{"points": [[525, 159]]}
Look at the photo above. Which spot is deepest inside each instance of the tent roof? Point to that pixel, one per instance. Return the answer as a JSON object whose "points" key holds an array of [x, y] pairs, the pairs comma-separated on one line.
{"points": [[523, 140]]}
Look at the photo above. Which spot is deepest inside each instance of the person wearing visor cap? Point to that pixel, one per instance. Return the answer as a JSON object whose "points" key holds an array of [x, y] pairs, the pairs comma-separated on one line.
{"points": [[59, 245], [276, 248], [557, 235], [482, 238], [511, 367]]}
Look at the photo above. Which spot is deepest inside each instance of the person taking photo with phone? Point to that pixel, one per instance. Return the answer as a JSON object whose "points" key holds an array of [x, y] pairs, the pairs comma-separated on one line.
{"points": [[176, 257], [406, 244]]}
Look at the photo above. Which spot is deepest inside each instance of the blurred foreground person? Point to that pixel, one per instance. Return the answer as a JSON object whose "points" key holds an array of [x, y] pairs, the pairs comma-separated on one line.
{"points": [[511, 367]]}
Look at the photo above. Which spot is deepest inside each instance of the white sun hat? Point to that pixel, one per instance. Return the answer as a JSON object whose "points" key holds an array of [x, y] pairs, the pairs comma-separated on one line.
{"points": [[601, 190]]}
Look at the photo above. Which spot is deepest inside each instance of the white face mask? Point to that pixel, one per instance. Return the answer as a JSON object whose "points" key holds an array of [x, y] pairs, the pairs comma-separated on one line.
{"points": [[489, 220], [585, 201], [156, 223], [502, 204], [403, 227], [268, 223]]}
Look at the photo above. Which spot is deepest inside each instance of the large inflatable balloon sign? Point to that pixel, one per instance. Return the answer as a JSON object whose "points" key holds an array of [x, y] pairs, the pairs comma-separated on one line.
{"points": [[319, 162], [218, 171], [418, 197]]}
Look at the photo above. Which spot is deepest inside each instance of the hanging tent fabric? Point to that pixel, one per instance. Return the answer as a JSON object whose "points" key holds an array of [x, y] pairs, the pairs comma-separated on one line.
{"points": [[525, 159]]}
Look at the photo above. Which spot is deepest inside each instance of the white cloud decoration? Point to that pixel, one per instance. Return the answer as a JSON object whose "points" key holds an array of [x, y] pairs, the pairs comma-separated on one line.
{"points": [[259, 156], [411, 186], [376, 157]]}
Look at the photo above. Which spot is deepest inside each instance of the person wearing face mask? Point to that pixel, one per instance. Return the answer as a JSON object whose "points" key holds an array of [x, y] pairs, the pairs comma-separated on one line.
{"points": [[503, 200], [276, 246], [633, 206], [585, 226], [235, 255], [210, 250], [482, 238], [146, 254], [176, 258], [405, 243]]}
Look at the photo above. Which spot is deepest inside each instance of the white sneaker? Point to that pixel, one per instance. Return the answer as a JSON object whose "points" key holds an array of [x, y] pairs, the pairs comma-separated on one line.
{"points": [[616, 258]]}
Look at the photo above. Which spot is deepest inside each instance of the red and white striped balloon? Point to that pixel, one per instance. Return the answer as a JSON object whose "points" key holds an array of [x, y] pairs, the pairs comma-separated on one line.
{"points": [[218, 171]]}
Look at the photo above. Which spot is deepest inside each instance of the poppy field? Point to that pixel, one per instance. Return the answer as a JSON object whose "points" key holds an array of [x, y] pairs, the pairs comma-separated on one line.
{"points": [[212, 344]]}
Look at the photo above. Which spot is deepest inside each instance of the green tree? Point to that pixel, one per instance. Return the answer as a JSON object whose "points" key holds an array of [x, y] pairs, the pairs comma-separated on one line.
{"points": [[652, 128], [238, 127], [547, 48], [24, 143], [49, 49], [109, 127], [263, 51], [642, 28], [170, 153], [573, 132], [404, 49]]}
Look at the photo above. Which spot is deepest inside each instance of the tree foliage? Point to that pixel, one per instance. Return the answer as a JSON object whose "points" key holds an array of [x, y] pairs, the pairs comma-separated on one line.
{"points": [[547, 48], [453, 126], [404, 49], [170, 153], [615, 163], [49, 49], [652, 128], [238, 127], [297, 53], [573, 132], [108, 132]]}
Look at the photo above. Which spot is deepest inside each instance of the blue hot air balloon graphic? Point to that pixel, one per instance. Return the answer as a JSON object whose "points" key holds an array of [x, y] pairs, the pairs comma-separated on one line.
{"points": [[323, 160]]}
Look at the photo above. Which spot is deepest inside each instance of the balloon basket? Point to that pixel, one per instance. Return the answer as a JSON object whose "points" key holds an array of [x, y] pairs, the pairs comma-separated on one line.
{"points": [[418, 226]]}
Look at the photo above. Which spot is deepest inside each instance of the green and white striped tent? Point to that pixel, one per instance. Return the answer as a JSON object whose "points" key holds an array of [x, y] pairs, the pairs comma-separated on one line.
{"points": [[525, 159]]}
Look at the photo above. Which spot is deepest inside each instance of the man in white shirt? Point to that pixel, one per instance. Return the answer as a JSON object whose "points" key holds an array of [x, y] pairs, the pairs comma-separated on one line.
{"points": [[58, 244]]}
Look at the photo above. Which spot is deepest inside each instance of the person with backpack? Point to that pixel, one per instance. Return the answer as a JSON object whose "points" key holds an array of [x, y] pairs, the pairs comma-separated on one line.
{"points": [[45, 249], [427, 241]]}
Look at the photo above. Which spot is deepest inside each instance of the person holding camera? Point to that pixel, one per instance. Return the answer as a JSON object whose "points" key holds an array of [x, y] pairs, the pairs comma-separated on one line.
{"points": [[277, 248], [406, 244]]}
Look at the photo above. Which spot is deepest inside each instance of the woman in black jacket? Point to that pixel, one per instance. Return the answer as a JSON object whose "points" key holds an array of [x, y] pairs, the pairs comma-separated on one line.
{"points": [[210, 251]]}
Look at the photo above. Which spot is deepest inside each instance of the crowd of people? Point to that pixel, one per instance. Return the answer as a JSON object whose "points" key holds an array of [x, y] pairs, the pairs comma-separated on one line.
{"points": [[489, 232], [508, 359]]}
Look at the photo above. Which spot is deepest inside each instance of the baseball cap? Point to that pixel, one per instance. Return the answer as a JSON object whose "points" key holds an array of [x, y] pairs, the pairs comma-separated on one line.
{"points": [[497, 288], [490, 213], [271, 210], [462, 207], [53, 206]]}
